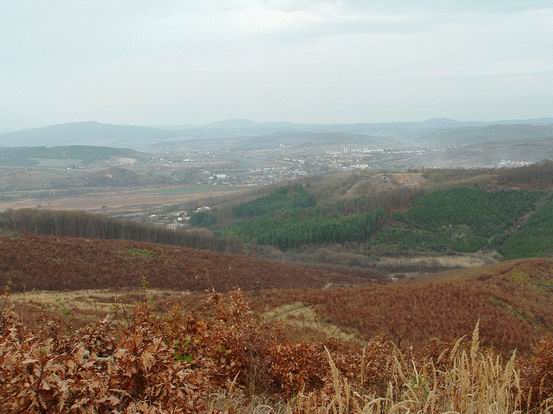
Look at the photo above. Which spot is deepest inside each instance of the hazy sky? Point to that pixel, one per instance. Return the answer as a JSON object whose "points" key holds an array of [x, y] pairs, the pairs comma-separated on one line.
{"points": [[180, 62]]}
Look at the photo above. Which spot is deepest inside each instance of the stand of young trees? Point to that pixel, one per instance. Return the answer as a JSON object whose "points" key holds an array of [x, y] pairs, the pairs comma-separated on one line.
{"points": [[303, 227], [203, 219], [463, 219], [94, 226], [533, 175], [281, 199]]}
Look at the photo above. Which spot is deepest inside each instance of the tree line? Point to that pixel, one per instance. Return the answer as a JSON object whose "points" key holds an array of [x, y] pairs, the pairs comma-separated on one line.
{"points": [[95, 226], [540, 173]]}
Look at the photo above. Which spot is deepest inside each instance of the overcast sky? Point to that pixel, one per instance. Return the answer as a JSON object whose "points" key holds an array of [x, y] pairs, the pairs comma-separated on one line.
{"points": [[191, 62]]}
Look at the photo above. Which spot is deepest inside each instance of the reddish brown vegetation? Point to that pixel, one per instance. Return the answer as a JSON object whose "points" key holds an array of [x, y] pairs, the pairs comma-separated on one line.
{"points": [[174, 363], [165, 364], [512, 301], [51, 263]]}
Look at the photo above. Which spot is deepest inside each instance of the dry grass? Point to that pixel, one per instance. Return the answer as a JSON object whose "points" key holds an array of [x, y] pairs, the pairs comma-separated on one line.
{"points": [[79, 307], [461, 381], [302, 317], [230, 361]]}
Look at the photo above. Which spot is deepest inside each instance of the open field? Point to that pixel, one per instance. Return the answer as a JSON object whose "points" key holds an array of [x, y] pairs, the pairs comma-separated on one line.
{"points": [[79, 307], [119, 200], [420, 264]]}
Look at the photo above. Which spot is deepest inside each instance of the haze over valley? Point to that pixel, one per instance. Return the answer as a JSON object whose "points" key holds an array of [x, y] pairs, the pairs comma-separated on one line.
{"points": [[276, 207]]}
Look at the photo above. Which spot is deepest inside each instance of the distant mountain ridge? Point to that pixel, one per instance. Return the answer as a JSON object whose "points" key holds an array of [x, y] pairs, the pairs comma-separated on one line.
{"points": [[432, 123], [491, 133], [144, 138], [84, 133], [29, 156]]}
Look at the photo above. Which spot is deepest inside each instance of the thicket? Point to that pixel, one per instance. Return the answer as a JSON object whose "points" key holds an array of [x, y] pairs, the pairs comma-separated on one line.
{"points": [[94, 226], [296, 228], [281, 199], [456, 175], [235, 362]]}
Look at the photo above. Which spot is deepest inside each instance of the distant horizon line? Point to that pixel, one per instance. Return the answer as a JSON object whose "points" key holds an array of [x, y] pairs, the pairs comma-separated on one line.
{"points": [[253, 121]]}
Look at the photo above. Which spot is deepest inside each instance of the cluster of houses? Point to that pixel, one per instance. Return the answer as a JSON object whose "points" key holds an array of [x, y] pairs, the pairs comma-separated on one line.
{"points": [[176, 219]]}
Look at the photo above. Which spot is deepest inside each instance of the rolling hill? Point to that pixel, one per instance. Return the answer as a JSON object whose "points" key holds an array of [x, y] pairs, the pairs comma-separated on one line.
{"points": [[297, 140], [87, 133], [71, 154], [59, 263], [491, 153], [247, 127], [486, 134], [325, 335], [512, 300]]}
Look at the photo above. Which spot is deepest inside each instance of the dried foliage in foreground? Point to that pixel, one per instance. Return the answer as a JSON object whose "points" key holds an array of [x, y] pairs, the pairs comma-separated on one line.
{"points": [[228, 361]]}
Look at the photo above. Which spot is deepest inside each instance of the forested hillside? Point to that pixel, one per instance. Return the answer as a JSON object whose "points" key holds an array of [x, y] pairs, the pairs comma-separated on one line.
{"points": [[297, 228], [356, 218], [537, 175], [533, 239], [281, 199], [95, 226], [464, 219], [288, 218]]}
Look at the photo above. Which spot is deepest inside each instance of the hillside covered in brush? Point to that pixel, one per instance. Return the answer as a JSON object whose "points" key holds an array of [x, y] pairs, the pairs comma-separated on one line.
{"points": [[225, 357], [59, 263], [513, 301]]}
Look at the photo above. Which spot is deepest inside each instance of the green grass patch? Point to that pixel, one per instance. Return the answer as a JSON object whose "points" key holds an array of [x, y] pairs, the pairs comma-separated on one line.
{"points": [[136, 252]]}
